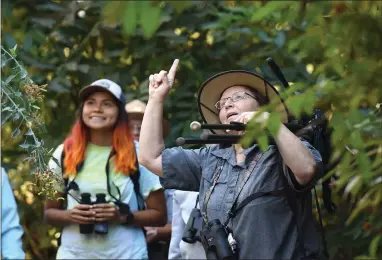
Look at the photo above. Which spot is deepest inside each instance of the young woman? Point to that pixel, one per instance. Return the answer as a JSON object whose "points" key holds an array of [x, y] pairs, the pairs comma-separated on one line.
{"points": [[100, 157], [267, 226]]}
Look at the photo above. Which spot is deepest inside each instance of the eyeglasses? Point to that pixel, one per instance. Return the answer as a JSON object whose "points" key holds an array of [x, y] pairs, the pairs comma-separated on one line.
{"points": [[234, 98]]}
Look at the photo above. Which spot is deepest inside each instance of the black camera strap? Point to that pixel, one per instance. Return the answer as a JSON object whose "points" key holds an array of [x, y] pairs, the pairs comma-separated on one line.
{"points": [[248, 173], [107, 170]]}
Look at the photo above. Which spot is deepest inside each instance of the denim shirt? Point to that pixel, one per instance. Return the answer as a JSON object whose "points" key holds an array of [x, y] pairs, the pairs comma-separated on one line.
{"points": [[264, 228]]}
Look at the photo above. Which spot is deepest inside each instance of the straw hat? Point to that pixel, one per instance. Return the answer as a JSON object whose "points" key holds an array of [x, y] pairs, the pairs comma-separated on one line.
{"points": [[136, 108], [212, 89]]}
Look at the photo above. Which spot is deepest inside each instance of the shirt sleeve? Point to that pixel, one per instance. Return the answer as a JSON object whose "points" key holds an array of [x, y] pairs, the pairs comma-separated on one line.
{"points": [[148, 181], [176, 230], [319, 171], [11, 230], [182, 168]]}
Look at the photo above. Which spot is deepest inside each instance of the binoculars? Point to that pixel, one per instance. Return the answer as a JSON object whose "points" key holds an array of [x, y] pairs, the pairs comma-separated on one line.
{"points": [[217, 242], [98, 228], [194, 224]]}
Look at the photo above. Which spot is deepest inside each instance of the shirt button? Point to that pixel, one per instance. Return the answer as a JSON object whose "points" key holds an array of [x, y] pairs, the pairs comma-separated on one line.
{"points": [[230, 191]]}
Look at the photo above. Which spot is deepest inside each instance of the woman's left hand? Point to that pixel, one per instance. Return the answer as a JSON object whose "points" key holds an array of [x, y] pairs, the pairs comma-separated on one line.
{"points": [[106, 212], [246, 116], [151, 234]]}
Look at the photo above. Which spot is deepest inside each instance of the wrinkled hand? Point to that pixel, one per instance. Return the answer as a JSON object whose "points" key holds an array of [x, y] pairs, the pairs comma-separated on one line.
{"points": [[82, 214], [161, 83], [151, 233], [105, 212], [245, 117]]}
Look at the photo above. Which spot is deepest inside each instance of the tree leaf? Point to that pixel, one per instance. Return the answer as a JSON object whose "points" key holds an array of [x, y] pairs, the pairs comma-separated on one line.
{"points": [[266, 10], [130, 17], [6, 109], [16, 132], [149, 18], [25, 146], [16, 117], [51, 7], [29, 132], [10, 78], [3, 60], [13, 50], [114, 12], [28, 42], [274, 123], [23, 73], [44, 22], [180, 6], [374, 245], [263, 142], [4, 119]]}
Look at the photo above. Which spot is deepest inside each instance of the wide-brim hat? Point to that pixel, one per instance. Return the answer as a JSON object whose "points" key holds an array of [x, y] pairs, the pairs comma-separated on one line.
{"points": [[136, 109], [104, 85], [211, 90]]}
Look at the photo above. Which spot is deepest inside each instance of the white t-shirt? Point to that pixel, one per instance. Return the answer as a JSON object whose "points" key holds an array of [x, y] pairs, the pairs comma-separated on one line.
{"points": [[122, 241], [183, 203]]}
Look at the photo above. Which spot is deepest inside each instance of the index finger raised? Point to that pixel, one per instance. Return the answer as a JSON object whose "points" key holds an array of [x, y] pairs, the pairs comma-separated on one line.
{"points": [[172, 71]]}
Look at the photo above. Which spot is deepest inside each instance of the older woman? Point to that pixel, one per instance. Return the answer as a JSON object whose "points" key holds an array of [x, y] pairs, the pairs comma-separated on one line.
{"points": [[266, 227]]}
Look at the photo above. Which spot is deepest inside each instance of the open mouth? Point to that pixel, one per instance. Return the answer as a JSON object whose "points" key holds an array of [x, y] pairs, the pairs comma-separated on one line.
{"points": [[232, 115], [97, 118]]}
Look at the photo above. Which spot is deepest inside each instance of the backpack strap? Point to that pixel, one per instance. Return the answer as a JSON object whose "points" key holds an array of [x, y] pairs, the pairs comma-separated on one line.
{"points": [[62, 159], [292, 198]]}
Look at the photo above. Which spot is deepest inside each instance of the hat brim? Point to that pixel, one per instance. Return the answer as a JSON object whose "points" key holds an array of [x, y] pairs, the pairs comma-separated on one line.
{"points": [[86, 91], [139, 116], [212, 89]]}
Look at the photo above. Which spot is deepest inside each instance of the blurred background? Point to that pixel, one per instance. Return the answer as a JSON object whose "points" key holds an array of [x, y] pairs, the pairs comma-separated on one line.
{"points": [[329, 50]]}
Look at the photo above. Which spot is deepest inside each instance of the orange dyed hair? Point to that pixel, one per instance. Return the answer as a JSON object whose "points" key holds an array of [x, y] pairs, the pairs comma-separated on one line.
{"points": [[123, 146]]}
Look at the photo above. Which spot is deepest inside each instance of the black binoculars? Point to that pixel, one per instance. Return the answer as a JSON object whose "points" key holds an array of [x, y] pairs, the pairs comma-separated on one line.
{"points": [[215, 241], [98, 228], [193, 226]]}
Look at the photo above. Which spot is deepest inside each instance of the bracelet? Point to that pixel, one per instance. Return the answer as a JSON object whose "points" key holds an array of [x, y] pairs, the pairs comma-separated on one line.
{"points": [[129, 219]]}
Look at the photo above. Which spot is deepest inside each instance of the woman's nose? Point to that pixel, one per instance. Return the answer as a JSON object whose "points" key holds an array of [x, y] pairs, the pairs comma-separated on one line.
{"points": [[98, 108], [228, 104]]}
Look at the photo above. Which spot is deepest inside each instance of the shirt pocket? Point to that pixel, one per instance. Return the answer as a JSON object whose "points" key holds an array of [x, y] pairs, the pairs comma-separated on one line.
{"points": [[218, 193]]}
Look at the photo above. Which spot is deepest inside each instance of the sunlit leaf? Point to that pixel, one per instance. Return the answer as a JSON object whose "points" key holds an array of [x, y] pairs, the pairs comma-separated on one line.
{"points": [[10, 78], [149, 18], [23, 73], [130, 17], [29, 132], [263, 142], [274, 123], [25, 146]]}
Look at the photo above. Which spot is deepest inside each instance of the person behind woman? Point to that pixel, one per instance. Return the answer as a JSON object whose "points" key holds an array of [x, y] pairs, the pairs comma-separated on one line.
{"points": [[271, 225], [183, 203], [158, 238], [100, 156]]}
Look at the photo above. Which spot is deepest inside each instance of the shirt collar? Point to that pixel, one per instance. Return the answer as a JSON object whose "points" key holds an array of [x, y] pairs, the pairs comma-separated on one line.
{"points": [[229, 153]]}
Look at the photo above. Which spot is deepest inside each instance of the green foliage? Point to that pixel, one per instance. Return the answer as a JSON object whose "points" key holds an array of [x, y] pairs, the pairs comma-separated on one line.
{"points": [[329, 50]]}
